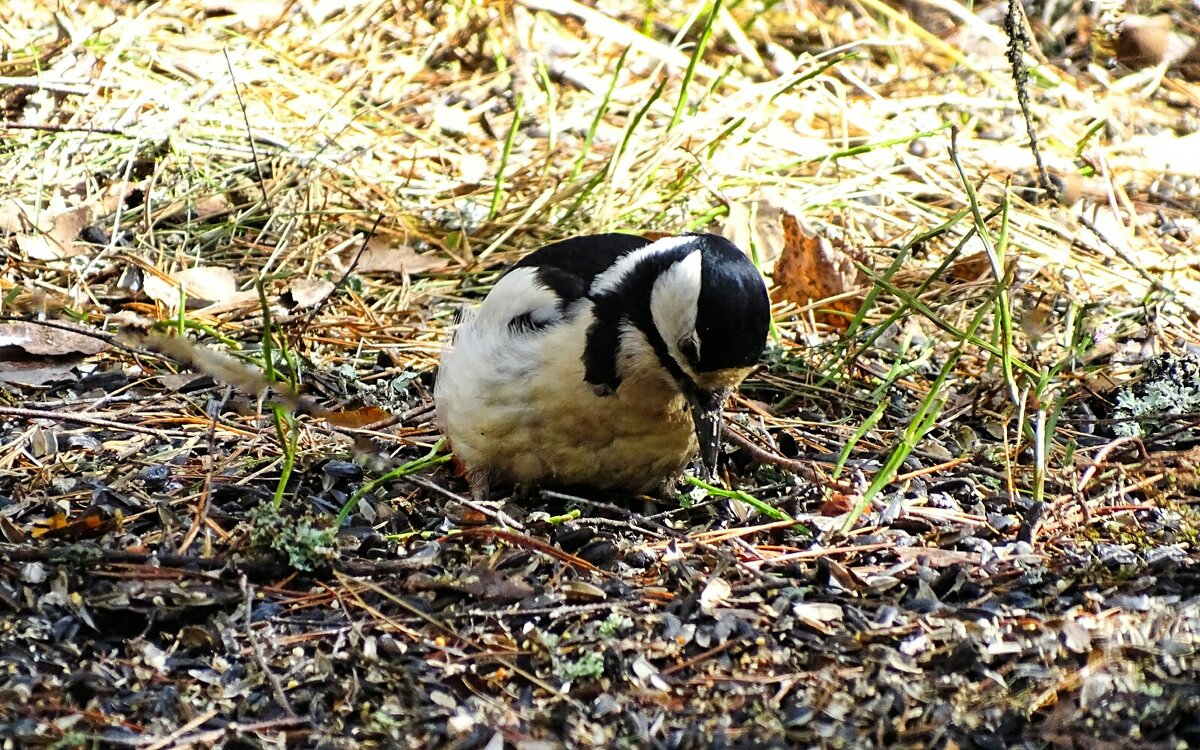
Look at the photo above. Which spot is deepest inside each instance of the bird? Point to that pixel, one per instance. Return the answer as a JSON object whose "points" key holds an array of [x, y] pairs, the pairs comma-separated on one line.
{"points": [[601, 361]]}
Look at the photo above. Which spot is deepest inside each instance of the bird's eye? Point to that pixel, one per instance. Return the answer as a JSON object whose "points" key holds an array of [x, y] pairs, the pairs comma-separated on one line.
{"points": [[690, 351]]}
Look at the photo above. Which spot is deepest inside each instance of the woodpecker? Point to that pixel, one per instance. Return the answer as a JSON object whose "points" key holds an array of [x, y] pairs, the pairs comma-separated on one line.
{"points": [[602, 361]]}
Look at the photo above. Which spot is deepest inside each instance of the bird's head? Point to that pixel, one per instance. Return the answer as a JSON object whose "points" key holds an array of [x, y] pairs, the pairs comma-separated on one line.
{"points": [[703, 310]]}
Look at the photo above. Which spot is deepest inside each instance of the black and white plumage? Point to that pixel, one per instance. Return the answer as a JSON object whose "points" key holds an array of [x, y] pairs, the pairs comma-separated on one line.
{"points": [[602, 361]]}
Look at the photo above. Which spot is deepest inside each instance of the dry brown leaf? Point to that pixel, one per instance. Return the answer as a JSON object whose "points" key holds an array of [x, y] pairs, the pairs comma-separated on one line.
{"points": [[307, 292], [381, 257], [15, 217], [94, 522], [971, 267], [213, 205], [1189, 66], [837, 504], [59, 241], [757, 225], [357, 417], [1149, 40], [201, 284], [46, 341], [811, 269]]}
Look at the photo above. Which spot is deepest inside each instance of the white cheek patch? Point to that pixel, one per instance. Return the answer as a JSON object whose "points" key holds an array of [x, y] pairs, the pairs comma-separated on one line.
{"points": [[673, 303], [611, 277]]}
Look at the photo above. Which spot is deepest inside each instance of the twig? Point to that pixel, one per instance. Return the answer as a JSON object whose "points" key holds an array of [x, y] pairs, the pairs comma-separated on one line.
{"points": [[209, 467], [496, 515], [39, 83], [1018, 42], [413, 413], [169, 740], [1101, 456], [260, 657], [50, 128], [210, 736], [675, 536], [237, 91], [1155, 283], [308, 319], [64, 416], [85, 555], [763, 456]]}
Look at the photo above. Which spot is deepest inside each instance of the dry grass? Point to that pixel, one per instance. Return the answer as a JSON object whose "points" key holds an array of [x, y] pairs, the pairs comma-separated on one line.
{"points": [[961, 397]]}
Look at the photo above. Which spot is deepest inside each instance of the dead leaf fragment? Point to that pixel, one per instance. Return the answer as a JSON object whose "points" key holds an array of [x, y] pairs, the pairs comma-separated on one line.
{"points": [[1149, 40], [47, 341], [758, 225], [201, 285], [210, 206], [59, 241], [816, 615], [94, 522], [811, 269], [357, 417], [307, 292], [584, 591], [715, 593], [971, 267], [382, 257]]}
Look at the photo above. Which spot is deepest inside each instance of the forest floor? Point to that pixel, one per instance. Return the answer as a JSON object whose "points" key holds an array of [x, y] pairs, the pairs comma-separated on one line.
{"points": [[959, 508]]}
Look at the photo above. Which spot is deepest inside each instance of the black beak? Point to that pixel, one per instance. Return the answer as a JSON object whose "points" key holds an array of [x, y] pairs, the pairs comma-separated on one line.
{"points": [[706, 413]]}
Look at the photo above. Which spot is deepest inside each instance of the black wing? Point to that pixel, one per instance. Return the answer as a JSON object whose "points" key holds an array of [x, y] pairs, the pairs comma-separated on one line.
{"points": [[568, 267]]}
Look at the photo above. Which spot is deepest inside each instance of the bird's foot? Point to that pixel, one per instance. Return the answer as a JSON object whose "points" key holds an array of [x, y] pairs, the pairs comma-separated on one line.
{"points": [[481, 489]]}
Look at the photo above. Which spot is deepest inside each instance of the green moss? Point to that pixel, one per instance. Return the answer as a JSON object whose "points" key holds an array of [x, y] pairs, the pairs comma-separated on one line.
{"points": [[588, 666], [304, 543]]}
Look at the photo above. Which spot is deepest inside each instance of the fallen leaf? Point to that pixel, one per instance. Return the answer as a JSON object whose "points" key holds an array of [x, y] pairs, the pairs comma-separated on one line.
{"points": [[1144, 41], [14, 217], [402, 259], [357, 417], [39, 372], [817, 614], [213, 205], [837, 504], [42, 340], [810, 269], [12, 533], [202, 285], [59, 241], [43, 443], [715, 593], [971, 267], [582, 590], [96, 521], [307, 292], [758, 225]]}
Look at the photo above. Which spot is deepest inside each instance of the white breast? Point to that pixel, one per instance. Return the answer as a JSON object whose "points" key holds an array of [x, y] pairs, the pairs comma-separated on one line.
{"points": [[516, 408]]}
